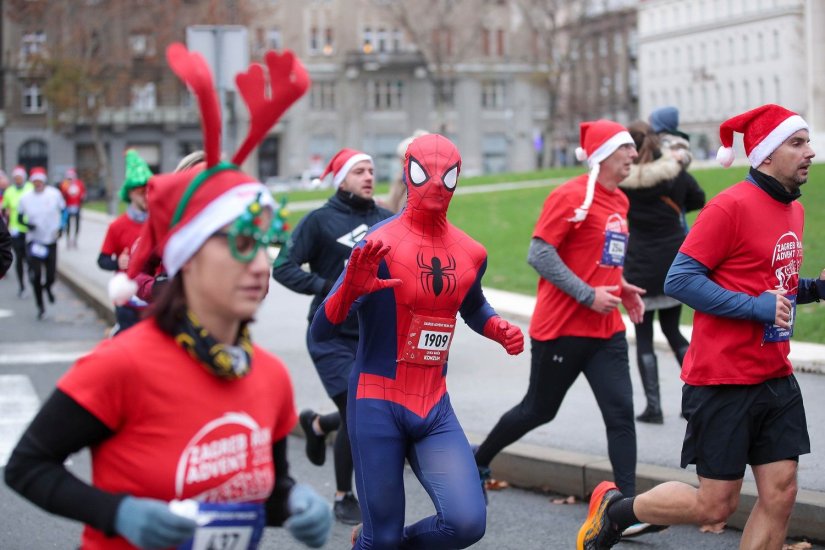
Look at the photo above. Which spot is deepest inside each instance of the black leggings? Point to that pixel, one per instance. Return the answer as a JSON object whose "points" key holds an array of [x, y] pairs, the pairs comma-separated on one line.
{"points": [[36, 268], [76, 217], [341, 447], [18, 243], [669, 321], [554, 366]]}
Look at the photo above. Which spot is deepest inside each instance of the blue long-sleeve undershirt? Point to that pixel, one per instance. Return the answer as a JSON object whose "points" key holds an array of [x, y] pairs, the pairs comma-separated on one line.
{"points": [[688, 281]]}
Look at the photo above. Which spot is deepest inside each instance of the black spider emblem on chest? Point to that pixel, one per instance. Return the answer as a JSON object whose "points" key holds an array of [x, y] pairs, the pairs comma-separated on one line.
{"points": [[436, 277]]}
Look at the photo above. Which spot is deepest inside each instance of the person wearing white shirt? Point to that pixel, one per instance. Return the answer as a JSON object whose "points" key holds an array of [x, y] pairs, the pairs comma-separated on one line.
{"points": [[41, 212]]}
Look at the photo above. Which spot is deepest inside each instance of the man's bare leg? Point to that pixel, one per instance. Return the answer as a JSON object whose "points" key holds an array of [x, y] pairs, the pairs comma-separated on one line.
{"points": [[675, 503], [767, 525]]}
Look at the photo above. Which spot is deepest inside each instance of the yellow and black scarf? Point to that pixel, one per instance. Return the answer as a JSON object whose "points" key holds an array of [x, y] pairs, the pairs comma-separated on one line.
{"points": [[224, 361]]}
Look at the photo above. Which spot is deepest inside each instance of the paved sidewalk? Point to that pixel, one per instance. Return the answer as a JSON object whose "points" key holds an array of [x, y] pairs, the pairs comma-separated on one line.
{"points": [[567, 456]]}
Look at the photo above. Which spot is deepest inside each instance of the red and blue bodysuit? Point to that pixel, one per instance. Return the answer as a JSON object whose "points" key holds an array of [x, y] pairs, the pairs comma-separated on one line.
{"points": [[407, 280]]}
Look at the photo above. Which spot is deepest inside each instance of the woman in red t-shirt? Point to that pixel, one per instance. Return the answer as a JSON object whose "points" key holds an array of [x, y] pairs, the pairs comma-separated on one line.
{"points": [[185, 418]]}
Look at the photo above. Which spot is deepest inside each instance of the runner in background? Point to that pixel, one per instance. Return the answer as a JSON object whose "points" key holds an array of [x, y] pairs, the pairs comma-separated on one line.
{"points": [[74, 193], [122, 234]]}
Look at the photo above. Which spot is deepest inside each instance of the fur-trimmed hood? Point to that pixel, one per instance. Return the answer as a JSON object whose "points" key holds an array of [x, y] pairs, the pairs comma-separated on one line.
{"points": [[643, 176]]}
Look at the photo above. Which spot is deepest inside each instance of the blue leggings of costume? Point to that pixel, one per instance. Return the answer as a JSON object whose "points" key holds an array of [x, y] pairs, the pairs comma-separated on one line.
{"points": [[383, 434]]}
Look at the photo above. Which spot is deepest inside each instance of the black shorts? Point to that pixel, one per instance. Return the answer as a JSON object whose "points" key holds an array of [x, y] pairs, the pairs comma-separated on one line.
{"points": [[730, 426]]}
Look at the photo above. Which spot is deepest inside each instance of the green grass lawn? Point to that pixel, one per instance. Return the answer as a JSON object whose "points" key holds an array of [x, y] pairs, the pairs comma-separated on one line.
{"points": [[503, 222]]}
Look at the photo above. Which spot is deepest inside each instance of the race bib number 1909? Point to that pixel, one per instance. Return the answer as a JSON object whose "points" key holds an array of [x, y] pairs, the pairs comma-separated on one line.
{"points": [[428, 340]]}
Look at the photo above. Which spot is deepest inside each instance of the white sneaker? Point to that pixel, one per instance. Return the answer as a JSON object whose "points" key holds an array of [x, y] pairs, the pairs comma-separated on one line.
{"points": [[642, 528]]}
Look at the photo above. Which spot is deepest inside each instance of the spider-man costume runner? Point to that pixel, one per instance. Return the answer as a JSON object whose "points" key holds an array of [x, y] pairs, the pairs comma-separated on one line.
{"points": [[407, 279]]}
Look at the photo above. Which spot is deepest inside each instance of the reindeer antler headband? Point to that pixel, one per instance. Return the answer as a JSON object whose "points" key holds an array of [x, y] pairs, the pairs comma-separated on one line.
{"points": [[288, 82]]}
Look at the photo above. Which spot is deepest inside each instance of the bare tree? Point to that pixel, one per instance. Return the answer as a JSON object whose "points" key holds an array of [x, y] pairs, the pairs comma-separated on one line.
{"points": [[444, 32], [555, 27], [99, 53]]}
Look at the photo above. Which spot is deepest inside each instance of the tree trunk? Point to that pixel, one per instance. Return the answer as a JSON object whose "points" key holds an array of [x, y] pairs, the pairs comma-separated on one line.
{"points": [[103, 170]]}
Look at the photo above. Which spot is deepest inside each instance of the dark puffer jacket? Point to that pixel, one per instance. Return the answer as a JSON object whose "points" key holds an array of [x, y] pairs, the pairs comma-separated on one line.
{"points": [[659, 192]]}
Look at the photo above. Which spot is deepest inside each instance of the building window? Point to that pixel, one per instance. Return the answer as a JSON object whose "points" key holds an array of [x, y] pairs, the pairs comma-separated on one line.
{"points": [[33, 101], [329, 47], [384, 95], [397, 40], [492, 94], [322, 96], [144, 97], [493, 42], [314, 40], [367, 40], [382, 39], [443, 41], [444, 92], [494, 153], [142, 45], [32, 45], [274, 41]]}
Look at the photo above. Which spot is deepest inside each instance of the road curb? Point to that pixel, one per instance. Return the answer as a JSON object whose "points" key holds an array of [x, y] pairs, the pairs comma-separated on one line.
{"points": [[571, 473]]}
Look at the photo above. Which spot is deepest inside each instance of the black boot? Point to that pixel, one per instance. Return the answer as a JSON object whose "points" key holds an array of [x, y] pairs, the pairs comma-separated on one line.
{"points": [[649, 371]]}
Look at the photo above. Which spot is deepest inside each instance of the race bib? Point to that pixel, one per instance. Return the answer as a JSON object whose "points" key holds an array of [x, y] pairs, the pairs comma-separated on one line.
{"points": [[227, 526], [38, 250], [428, 340], [615, 248], [774, 333]]}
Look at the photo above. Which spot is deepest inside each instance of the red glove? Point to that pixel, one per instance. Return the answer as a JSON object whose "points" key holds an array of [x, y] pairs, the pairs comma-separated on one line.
{"points": [[360, 278], [506, 334]]}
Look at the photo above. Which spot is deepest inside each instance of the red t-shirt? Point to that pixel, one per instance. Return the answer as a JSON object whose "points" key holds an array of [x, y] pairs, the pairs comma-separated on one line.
{"points": [[583, 248], [121, 234], [74, 191], [751, 243], [180, 431]]}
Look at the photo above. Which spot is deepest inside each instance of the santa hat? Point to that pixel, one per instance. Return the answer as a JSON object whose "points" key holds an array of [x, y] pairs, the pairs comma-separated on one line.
{"points": [[71, 174], [763, 130], [599, 139], [186, 208], [342, 163], [137, 174], [19, 171], [38, 174]]}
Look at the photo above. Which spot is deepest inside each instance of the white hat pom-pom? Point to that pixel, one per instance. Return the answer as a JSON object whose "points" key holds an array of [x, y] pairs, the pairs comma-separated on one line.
{"points": [[581, 154], [121, 289], [725, 156]]}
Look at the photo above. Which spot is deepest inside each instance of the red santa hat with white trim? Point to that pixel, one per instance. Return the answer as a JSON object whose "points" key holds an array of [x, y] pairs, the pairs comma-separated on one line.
{"points": [[187, 207], [343, 161], [599, 139], [38, 173], [763, 130], [19, 171]]}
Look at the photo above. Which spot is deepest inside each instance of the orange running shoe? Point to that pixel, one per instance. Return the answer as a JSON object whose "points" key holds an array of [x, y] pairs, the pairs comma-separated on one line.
{"points": [[598, 532]]}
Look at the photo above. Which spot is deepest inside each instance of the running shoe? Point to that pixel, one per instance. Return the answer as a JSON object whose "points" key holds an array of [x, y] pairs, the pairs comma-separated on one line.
{"points": [[642, 528], [598, 532], [347, 510], [316, 448]]}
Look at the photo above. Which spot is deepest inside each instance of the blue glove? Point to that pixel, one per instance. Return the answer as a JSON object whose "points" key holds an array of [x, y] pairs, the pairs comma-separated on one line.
{"points": [[311, 516], [148, 523]]}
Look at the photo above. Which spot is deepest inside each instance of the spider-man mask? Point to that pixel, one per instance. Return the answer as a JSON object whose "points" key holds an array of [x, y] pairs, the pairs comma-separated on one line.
{"points": [[432, 164]]}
